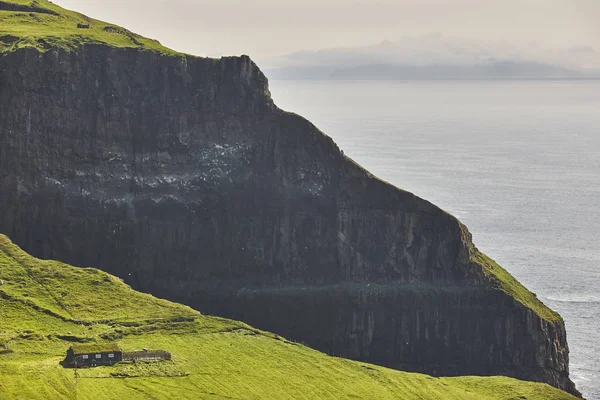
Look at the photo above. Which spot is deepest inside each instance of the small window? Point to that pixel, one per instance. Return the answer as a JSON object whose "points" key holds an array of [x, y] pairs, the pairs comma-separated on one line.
{"points": [[98, 355], [84, 357], [111, 355]]}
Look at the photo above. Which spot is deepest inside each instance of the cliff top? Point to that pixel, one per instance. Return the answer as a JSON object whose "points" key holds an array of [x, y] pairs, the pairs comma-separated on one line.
{"points": [[47, 306], [42, 24], [504, 281]]}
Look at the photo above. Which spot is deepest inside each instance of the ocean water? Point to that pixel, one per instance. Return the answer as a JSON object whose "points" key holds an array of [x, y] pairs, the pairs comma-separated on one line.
{"points": [[517, 161]]}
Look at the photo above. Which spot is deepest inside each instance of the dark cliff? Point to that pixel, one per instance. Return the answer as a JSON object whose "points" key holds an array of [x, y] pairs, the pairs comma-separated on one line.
{"points": [[180, 175]]}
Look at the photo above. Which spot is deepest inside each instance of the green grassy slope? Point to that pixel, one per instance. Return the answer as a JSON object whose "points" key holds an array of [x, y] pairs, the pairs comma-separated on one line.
{"points": [[502, 279], [43, 25], [46, 306]]}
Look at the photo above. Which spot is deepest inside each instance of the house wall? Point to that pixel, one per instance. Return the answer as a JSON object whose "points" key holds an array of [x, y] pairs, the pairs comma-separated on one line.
{"points": [[104, 358]]}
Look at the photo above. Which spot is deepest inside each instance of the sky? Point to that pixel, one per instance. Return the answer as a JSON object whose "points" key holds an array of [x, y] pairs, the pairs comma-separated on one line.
{"points": [[267, 28]]}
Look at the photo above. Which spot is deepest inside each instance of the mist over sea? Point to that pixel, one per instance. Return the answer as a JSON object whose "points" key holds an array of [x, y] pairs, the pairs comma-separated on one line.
{"points": [[517, 161]]}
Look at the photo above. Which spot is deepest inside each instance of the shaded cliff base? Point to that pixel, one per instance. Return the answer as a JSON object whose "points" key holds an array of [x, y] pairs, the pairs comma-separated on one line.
{"points": [[447, 331], [46, 306]]}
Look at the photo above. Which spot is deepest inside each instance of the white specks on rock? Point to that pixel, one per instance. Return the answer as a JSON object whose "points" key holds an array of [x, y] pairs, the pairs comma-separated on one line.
{"points": [[218, 162], [312, 180], [54, 182]]}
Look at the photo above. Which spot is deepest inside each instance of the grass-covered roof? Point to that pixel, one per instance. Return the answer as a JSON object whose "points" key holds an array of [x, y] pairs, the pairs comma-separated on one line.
{"points": [[88, 348]]}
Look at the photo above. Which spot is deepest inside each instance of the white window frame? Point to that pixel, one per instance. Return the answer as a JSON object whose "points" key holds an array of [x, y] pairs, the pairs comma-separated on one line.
{"points": [[111, 355], [84, 357], [98, 356]]}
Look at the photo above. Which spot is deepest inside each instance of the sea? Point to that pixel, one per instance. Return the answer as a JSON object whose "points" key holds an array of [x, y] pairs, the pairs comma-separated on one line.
{"points": [[517, 161]]}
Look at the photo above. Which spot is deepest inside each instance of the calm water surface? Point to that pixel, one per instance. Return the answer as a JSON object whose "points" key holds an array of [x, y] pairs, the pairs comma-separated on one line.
{"points": [[517, 161]]}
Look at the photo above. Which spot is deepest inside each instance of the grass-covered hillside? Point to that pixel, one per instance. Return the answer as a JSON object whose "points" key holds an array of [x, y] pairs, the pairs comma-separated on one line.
{"points": [[47, 306], [43, 25]]}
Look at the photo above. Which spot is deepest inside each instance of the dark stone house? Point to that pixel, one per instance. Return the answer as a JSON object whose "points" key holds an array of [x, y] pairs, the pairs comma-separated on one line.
{"points": [[92, 355]]}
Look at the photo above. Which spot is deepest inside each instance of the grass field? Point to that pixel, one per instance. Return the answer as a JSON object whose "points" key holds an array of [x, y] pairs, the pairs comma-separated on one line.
{"points": [[46, 306], [43, 25]]}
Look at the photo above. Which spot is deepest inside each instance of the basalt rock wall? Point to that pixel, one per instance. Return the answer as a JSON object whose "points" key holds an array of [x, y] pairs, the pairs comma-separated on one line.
{"points": [[180, 175]]}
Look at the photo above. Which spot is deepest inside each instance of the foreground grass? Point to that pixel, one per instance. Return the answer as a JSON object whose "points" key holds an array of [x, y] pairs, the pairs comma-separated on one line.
{"points": [[46, 306], [43, 25]]}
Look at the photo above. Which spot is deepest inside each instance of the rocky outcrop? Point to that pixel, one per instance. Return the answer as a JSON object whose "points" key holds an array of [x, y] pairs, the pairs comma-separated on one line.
{"points": [[180, 175]]}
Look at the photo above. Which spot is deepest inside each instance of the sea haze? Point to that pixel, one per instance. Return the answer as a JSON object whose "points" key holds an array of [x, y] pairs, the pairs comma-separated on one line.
{"points": [[517, 161]]}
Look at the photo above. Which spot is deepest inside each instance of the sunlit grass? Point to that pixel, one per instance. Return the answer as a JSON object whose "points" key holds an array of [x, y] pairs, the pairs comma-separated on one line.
{"points": [[47, 306], [507, 283], [43, 25]]}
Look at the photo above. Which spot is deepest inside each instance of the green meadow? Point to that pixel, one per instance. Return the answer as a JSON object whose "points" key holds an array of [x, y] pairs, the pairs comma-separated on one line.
{"points": [[47, 306], [42, 25]]}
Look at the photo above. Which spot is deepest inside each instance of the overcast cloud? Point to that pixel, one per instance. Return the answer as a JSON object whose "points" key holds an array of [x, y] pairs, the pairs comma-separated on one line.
{"points": [[265, 28]]}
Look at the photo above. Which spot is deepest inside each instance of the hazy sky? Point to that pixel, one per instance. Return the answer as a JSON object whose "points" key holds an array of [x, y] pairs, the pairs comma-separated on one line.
{"points": [[262, 28]]}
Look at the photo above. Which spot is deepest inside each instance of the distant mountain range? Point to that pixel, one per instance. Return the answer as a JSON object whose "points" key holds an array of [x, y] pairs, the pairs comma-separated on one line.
{"points": [[437, 57], [492, 70]]}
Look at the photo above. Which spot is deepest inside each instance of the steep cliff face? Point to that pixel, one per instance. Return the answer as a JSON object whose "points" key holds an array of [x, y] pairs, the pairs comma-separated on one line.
{"points": [[180, 175]]}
